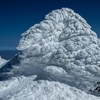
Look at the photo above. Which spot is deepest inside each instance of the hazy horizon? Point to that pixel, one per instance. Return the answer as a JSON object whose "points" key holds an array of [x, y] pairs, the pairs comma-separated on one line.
{"points": [[8, 54]]}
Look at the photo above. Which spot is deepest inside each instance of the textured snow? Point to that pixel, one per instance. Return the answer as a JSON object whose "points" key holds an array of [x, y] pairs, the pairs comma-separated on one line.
{"points": [[63, 40], [62, 49], [25, 88]]}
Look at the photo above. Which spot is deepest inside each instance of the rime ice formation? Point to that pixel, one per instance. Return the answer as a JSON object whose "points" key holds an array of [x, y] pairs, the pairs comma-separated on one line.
{"points": [[65, 47], [61, 48]]}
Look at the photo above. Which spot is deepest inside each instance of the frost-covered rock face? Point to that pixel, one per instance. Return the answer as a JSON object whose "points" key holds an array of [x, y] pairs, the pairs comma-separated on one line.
{"points": [[61, 48]]}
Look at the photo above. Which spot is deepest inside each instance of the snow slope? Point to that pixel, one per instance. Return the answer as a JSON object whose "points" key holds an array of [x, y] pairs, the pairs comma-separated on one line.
{"points": [[62, 48], [26, 88]]}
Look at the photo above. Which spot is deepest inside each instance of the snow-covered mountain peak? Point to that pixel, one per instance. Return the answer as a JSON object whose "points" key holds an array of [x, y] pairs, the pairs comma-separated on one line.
{"points": [[58, 25], [63, 47], [60, 48]]}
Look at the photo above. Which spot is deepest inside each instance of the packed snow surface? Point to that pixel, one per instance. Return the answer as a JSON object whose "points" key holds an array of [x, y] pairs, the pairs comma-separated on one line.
{"points": [[63, 52]]}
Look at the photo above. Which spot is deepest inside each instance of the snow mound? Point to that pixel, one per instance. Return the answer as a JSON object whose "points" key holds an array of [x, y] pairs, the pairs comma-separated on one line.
{"points": [[61, 48], [25, 88]]}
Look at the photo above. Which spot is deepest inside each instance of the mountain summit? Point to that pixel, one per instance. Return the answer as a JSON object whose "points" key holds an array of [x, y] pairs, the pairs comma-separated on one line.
{"points": [[60, 48]]}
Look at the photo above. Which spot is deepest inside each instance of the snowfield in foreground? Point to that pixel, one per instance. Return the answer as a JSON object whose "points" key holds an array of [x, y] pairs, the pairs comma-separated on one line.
{"points": [[63, 53], [26, 88]]}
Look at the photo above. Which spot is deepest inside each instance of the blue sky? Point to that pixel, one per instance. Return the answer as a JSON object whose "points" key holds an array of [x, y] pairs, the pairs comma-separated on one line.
{"points": [[16, 16]]}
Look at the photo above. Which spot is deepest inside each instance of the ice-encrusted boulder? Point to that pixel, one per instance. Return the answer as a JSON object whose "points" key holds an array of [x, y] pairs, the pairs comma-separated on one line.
{"points": [[62, 48]]}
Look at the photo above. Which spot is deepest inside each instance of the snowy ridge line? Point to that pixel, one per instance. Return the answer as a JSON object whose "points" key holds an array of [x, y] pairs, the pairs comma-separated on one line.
{"points": [[6, 68], [9, 60], [2, 62]]}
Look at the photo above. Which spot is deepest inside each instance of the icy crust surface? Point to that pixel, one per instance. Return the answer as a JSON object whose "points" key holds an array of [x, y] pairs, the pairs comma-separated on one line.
{"points": [[64, 47], [25, 88], [2, 61]]}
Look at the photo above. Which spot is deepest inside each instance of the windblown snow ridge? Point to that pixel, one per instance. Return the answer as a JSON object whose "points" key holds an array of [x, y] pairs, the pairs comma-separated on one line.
{"points": [[61, 48]]}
